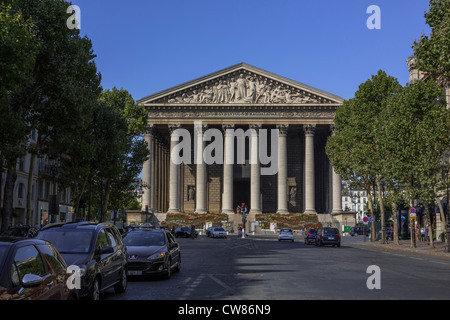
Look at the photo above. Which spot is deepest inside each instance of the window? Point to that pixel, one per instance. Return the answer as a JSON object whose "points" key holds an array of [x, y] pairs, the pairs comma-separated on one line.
{"points": [[111, 238], [54, 260], [26, 261], [20, 191], [102, 240]]}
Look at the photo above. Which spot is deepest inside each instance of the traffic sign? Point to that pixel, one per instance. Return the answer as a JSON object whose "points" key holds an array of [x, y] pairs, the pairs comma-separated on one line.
{"points": [[365, 220], [412, 210], [372, 219]]}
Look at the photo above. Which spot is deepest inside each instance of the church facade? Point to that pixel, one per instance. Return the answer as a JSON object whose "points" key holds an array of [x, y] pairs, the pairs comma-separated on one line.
{"points": [[240, 135]]}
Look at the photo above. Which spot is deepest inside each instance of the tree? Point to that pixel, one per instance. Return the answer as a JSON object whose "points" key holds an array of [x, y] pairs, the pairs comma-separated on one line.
{"points": [[432, 52], [122, 151], [64, 81], [415, 136], [18, 49], [353, 149]]}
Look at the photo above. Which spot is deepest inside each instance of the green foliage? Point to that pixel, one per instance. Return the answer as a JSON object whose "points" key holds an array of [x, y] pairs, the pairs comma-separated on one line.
{"points": [[433, 52]]}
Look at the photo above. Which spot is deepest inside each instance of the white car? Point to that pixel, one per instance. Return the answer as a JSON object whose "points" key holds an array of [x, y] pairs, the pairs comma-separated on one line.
{"points": [[286, 234], [218, 232]]}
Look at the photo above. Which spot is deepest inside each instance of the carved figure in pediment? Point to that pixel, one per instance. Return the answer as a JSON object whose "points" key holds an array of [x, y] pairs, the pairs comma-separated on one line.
{"points": [[215, 90], [195, 98], [251, 93], [223, 91], [232, 88], [241, 92], [207, 95]]}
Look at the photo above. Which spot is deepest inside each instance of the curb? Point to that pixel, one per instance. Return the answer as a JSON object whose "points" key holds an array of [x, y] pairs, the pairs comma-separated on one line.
{"points": [[444, 255]]}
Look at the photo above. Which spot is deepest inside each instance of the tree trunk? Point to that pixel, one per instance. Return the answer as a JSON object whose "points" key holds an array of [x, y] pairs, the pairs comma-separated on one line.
{"points": [[370, 213], [430, 225], [29, 188], [8, 197], [443, 217], [106, 199], [380, 196], [394, 213]]}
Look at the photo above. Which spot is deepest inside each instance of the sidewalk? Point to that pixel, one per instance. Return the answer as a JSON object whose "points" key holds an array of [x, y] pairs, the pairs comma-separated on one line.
{"points": [[405, 245]]}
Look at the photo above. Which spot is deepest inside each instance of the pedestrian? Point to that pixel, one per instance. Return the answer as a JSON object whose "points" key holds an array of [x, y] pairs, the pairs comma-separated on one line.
{"points": [[240, 232], [238, 209], [192, 231]]}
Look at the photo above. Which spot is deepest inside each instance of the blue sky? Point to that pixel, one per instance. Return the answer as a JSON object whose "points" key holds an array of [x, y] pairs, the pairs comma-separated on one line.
{"points": [[147, 46]]}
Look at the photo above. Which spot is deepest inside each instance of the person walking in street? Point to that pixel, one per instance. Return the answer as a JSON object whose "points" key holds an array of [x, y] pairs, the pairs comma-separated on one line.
{"points": [[192, 231]]}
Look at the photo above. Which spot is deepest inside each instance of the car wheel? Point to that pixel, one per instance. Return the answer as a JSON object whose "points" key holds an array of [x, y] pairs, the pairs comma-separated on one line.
{"points": [[94, 294], [121, 286]]}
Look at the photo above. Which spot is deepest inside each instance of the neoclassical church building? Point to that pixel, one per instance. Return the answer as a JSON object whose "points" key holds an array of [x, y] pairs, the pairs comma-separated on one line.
{"points": [[265, 133]]}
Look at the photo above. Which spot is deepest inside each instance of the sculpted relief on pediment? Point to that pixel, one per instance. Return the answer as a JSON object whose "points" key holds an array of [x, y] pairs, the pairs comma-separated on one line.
{"points": [[242, 87]]}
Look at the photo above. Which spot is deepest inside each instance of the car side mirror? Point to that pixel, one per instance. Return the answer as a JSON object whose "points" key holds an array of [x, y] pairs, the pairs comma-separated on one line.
{"points": [[31, 280], [106, 249], [173, 245]]}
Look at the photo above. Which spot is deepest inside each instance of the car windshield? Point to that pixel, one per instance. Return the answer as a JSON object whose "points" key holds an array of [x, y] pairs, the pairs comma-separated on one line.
{"points": [[144, 238], [330, 231], [285, 230], [219, 229], [312, 231], [68, 241]]}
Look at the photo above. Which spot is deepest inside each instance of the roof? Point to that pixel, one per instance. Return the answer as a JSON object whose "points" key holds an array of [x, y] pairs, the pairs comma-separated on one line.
{"points": [[236, 69]]}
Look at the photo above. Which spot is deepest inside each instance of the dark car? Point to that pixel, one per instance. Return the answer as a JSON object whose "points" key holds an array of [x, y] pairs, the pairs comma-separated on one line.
{"points": [[20, 231], [327, 235], [98, 251], [310, 237], [184, 232], [32, 269], [152, 251], [359, 230]]}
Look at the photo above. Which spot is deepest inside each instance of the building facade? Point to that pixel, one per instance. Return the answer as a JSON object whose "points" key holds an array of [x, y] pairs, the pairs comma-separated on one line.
{"points": [[240, 135]]}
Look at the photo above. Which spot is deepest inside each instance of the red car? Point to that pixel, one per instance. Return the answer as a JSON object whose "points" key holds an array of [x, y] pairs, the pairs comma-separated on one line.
{"points": [[32, 269]]}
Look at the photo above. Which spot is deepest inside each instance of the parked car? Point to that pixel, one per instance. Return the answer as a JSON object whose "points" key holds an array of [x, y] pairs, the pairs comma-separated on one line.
{"points": [[20, 231], [310, 237], [328, 235], [32, 269], [152, 251], [218, 232], [286, 234], [97, 249], [359, 230], [184, 232]]}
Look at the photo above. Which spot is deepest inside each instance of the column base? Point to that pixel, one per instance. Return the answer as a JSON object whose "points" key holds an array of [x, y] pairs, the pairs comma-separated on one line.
{"points": [[310, 212], [200, 211], [173, 211], [228, 211], [282, 211], [255, 211]]}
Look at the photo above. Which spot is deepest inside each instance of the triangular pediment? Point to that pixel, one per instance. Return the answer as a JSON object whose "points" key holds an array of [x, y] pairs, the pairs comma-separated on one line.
{"points": [[241, 83]]}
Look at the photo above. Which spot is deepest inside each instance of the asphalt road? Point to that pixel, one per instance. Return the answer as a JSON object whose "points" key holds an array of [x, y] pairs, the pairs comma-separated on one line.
{"points": [[261, 268]]}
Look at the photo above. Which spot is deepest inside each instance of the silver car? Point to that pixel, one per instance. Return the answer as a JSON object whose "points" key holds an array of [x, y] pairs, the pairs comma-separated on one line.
{"points": [[218, 232], [286, 234]]}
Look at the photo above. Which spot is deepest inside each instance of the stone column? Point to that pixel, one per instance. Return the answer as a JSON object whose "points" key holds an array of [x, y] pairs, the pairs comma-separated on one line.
{"points": [[147, 187], [336, 187], [200, 189], [227, 200], [309, 130], [174, 203], [282, 169], [255, 171]]}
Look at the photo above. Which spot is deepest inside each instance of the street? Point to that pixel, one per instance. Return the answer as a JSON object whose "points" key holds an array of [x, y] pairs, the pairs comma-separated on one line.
{"points": [[261, 268]]}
